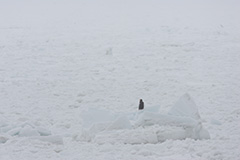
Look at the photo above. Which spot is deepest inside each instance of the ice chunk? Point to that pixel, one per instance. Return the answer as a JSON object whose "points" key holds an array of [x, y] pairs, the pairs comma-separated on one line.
{"points": [[94, 115], [172, 132], [154, 109], [215, 122], [28, 131], [185, 107], [203, 134], [148, 118], [120, 123], [200, 133], [83, 136], [52, 139], [14, 131], [5, 129], [27, 124], [98, 127], [43, 131], [136, 136], [140, 135]]}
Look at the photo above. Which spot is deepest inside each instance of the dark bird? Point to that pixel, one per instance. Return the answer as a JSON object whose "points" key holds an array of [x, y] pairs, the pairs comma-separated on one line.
{"points": [[141, 105]]}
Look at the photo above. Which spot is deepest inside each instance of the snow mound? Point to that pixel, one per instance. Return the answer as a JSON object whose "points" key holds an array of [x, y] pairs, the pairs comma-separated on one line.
{"points": [[145, 126]]}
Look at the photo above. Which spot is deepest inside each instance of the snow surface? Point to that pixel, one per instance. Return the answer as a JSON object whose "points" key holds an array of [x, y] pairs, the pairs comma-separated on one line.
{"points": [[60, 58]]}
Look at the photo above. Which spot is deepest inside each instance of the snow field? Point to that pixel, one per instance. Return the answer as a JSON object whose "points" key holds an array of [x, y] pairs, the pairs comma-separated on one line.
{"points": [[60, 58]]}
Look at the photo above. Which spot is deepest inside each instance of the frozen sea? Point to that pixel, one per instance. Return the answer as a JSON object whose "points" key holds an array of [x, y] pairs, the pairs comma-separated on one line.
{"points": [[58, 58]]}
